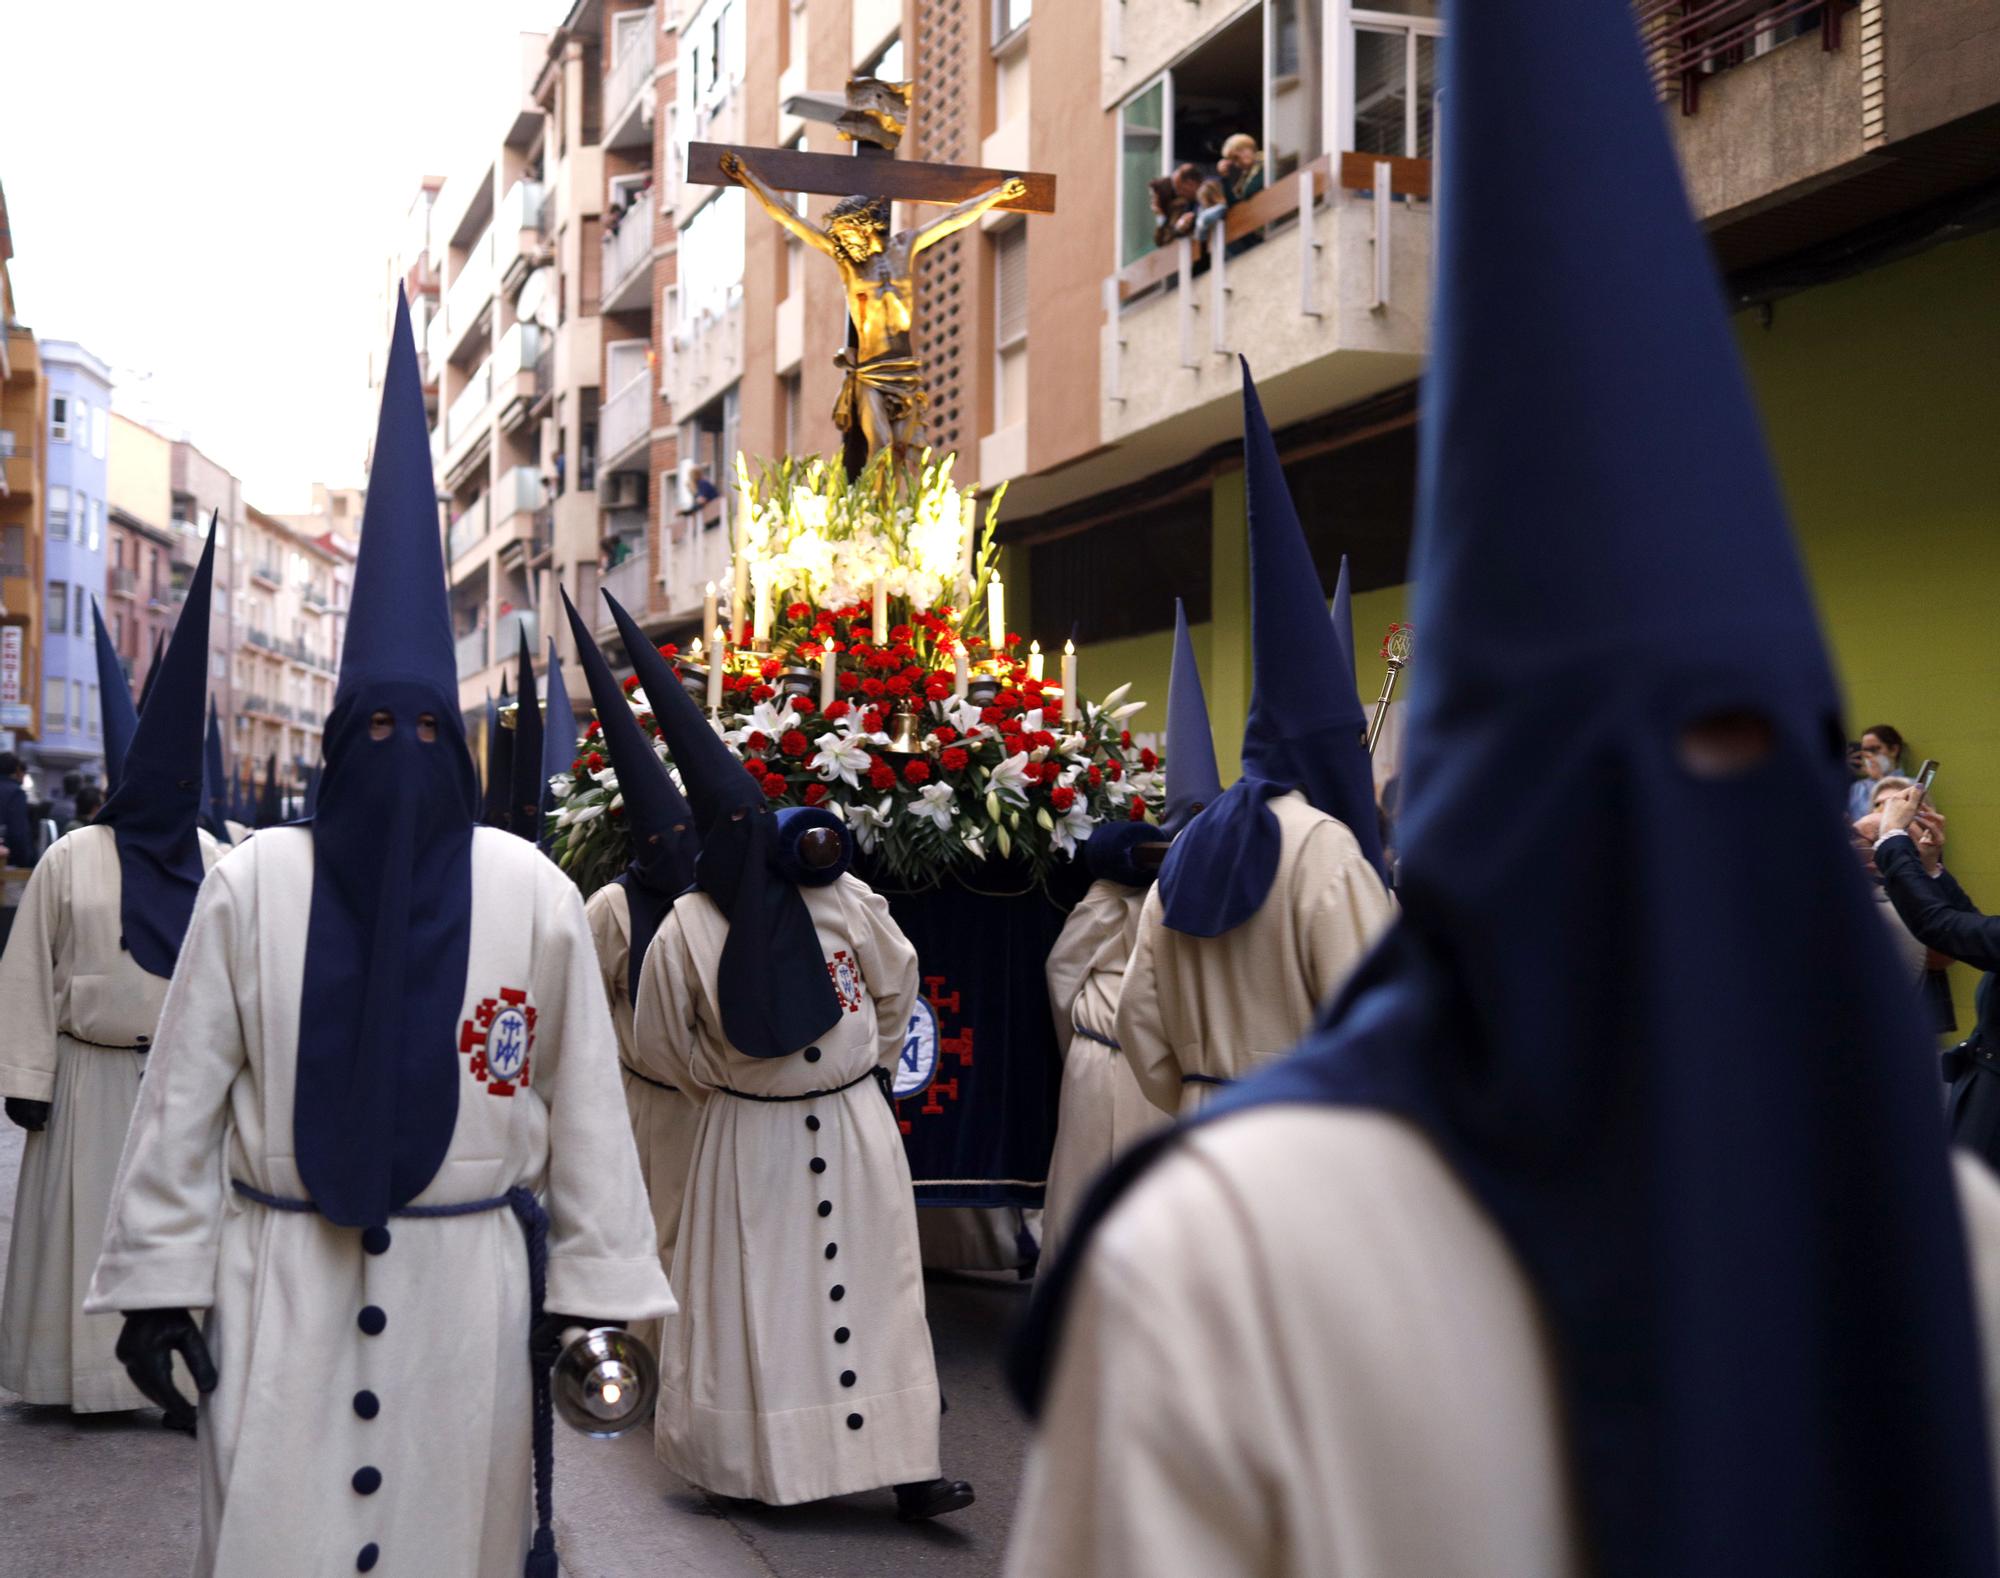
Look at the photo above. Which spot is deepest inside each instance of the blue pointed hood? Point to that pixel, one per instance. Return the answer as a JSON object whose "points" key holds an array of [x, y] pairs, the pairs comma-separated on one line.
{"points": [[658, 820], [114, 700], [1342, 614], [1193, 778], [215, 784], [559, 737], [774, 993], [270, 809], [525, 808], [389, 935], [311, 807], [499, 790], [155, 808], [1306, 722], [1639, 997]]}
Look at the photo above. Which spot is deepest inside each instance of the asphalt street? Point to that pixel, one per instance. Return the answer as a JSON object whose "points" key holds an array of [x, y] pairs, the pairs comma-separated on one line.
{"points": [[113, 1496]]}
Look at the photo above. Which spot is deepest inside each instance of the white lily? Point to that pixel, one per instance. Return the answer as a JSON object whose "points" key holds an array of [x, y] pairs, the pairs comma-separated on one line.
{"points": [[765, 719], [607, 779], [975, 846], [1128, 710], [562, 786], [867, 821], [1010, 778], [1115, 697], [1074, 828], [936, 803], [843, 756]]}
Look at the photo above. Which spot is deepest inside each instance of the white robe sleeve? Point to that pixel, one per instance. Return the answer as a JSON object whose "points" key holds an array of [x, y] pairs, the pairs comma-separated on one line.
{"points": [[1142, 1036], [1098, 914], [664, 1031], [165, 1228], [28, 981], [603, 1256], [1147, 1461], [888, 965], [1345, 908]]}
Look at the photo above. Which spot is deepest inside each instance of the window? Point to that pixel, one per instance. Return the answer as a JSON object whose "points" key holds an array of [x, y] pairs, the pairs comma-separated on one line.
{"points": [[791, 392], [59, 419], [98, 425], [1394, 84], [90, 710], [96, 525], [1294, 39], [80, 623], [58, 610], [55, 701], [1142, 158], [1008, 15], [711, 258], [1010, 326], [58, 513], [887, 66]]}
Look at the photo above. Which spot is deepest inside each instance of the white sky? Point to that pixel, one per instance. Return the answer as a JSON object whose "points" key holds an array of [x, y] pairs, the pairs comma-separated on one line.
{"points": [[209, 193]]}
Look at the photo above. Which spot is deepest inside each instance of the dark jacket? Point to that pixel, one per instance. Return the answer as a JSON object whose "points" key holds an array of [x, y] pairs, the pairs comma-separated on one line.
{"points": [[1941, 915], [16, 831]]}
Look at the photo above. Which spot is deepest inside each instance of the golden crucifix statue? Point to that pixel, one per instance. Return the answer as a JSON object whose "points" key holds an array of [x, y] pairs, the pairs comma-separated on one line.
{"points": [[882, 397], [884, 389]]}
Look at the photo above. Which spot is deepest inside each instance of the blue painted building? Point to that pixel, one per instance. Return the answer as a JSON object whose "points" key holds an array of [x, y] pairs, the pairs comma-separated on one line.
{"points": [[77, 426]]}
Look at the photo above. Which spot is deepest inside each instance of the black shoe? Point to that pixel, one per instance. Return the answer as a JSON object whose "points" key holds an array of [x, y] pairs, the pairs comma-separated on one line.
{"points": [[931, 1498]]}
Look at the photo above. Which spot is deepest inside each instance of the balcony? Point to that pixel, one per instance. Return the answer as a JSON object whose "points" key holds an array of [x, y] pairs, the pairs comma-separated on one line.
{"points": [[471, 293], [519, 493], [626, 283], [631, 583], [1688, 45], [17, 465], [514, 361], [462, 419], [468, 531], [625, 424], [628, 103], [121, 583], [704, 357], [518, 241], [719, 119], [507, 633], [267, 575], [315, 601], [1338, 282], [471, 651], [693, 552]]}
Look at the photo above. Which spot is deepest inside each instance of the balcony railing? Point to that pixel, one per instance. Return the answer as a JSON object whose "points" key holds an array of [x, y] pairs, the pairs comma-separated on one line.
{"points": [[470, 292], [469, 529], [520, 492], [625, 420], [520, 212], [269, 574], [1687, 40], [631, 582], [694, 551], [122, 583], [629, 78], [471, 653], [469, 406], [626, 251], [517, 351], [312, 597], [507, 631]]}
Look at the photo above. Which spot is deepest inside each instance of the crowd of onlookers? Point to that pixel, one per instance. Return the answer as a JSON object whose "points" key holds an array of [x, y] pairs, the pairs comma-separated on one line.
{"points": [[1191, 202]]}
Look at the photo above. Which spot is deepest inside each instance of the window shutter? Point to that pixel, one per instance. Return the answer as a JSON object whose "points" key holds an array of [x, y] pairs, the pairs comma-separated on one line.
{"points": [[1010, 285]]}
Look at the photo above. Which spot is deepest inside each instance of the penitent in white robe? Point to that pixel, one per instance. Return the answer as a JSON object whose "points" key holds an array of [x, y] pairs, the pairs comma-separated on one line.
{"points": [[663, 1120], [1197, 1010], [79, 1014], [800, 1366], [406, 1353], [1387, 1409], [1103, 1112]]}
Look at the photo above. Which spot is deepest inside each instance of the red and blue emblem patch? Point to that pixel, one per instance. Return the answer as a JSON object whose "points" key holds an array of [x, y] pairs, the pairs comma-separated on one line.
{"points": [[846, 977], [500, 1039]]}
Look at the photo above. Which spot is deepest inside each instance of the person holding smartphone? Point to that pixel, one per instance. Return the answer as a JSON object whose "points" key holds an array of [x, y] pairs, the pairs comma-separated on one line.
{"points": [[1942, 916]]}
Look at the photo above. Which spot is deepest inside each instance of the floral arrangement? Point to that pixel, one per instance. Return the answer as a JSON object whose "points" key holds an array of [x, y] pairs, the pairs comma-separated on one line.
{"points": [[941, 749]]}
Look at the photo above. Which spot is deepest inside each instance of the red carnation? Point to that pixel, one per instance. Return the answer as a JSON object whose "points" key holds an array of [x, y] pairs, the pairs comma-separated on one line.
{"points": [[871, 687], [1138, 809], [848, 681], [761, 693], [757, 740], [618, 811], [631, 683], [1062, 797], [596, 762], [858, 633], [1096, 777], [991, 715], [1148, 760], [871, 721], [1116, 769], [837, 709], [1013, 638], [804, 705], [881, 776], [576, 767], [670, 650], [1016, 746], [775, 787], [815, 793], [898, 684], [594, 730], [957, 759], [794, 743], [1010, 699], [1125, 738], [770, 668], [1043, 740], [799, 611], [899, 634], [946, 734], [755, 769], [916, 771]]}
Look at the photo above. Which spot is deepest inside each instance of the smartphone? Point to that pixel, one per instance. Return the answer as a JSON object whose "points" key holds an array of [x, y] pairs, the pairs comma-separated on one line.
{"points": [[1925, 774]]}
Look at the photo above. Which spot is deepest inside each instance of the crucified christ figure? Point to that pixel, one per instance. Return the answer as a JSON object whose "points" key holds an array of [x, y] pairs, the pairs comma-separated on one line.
{"points": [[881, 404]]}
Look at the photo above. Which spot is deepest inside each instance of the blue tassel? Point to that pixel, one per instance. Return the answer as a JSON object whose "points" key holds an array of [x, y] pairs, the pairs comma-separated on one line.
{"points": [[542, 1556]]}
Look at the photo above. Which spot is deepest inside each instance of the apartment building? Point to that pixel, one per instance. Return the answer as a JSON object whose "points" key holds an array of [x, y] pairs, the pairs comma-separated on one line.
{"points": [[139, 585], [202, 491], [77, 433], [23, 490], [289, 658]]}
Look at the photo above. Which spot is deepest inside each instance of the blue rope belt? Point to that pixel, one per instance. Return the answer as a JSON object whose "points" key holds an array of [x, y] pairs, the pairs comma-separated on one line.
{"points": [[535, 1230], [804, 1095], [1092, 1035], [1205, 1079], [657, 1084]]}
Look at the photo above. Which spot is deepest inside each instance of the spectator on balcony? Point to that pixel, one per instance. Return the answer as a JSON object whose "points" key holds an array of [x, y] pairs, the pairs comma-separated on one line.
{"points": [[1174, 197], [695, 488], [1241, 168]]}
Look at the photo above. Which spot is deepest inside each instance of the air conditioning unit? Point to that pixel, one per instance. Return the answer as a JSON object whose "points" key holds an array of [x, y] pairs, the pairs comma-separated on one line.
{"points": [[627, 491]]}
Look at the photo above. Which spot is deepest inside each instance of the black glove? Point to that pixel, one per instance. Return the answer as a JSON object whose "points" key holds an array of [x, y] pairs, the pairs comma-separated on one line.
{"points": [[146, 1347], [30, 1115], [545, 1342]]}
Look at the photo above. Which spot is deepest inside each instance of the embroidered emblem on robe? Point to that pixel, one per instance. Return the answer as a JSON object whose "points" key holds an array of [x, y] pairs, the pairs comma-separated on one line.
{"points": [[846, 977], [500, 1038]]}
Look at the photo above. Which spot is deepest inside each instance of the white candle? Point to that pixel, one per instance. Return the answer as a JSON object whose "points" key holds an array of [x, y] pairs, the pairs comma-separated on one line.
{"points": [[694, 650], [740, 592], [996, 616], [969, 530], [880, 624], [707, 609], [1034, 660], [1069, 681], [962, 669], [826, 676], [716, 659]]}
